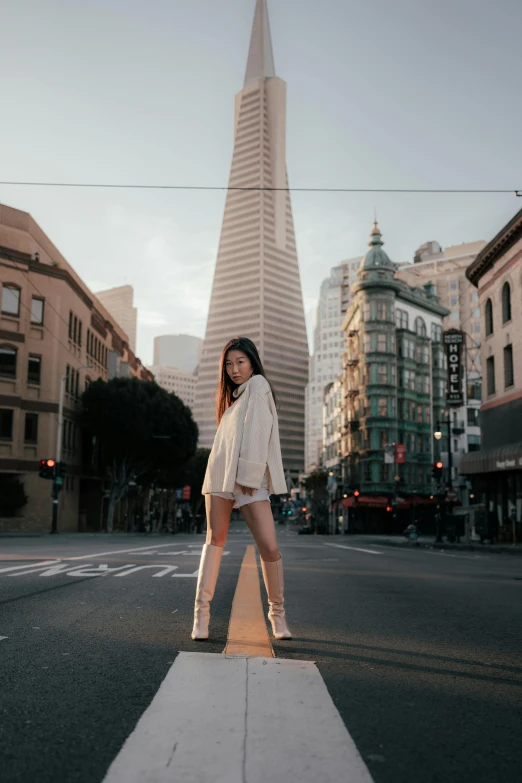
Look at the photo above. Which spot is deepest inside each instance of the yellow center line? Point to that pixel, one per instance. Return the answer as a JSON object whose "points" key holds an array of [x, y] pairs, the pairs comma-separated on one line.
{"points": [[247, 629]]}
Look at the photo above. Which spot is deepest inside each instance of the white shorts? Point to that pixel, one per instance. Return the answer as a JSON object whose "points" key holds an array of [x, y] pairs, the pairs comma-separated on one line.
{"points": [[241, 499]]}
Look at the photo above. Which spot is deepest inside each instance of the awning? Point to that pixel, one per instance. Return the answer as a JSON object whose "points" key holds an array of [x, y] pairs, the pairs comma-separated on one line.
{"points": [[496, 460], [368, 501]]}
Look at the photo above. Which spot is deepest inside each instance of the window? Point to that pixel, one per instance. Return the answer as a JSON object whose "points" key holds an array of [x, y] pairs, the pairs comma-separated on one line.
{"points": [[476, 328], [367, 471], [420, 326], [490, 374], [436, 333], [34, 369], [383, 406], [454, 285], [473, 414], [37, 311], [409, 380], [473, 442], [401, 319], [383, 438], [7, 361], [6, 424], [508, 367], [382, 373], [408, 349], [31, 428], [489, 317], [453, 300], [381, 343], [506, 303], [366, 311], [11, 300], [474, 390]]}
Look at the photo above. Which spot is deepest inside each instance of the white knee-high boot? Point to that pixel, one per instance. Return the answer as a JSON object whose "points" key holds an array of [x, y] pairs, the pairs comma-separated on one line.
{"points": [[207, 578], [274, 583]]}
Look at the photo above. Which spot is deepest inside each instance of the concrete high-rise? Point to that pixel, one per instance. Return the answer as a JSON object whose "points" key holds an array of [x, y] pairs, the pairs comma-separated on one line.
{"points": [[256, 291], [178, 350], [120, 304]]}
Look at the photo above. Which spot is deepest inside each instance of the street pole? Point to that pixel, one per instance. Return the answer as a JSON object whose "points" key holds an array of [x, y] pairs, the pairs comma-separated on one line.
{"points": [[59, 431]]}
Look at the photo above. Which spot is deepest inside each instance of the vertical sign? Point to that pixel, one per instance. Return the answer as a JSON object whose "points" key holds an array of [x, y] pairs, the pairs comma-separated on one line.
{"points": [[389, 454], [400, 453], [453, 341]]}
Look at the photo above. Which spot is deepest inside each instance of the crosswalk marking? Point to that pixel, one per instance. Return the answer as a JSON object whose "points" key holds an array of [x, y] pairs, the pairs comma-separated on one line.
{"points": [[219, 719]]}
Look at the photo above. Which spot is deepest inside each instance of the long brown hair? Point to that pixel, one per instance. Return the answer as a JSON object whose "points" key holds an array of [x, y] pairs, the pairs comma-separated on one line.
{"points": [[226, 386]]}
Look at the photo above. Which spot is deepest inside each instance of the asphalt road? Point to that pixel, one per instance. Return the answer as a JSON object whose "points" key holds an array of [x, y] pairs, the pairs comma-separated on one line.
{"points": [[421, 651]]}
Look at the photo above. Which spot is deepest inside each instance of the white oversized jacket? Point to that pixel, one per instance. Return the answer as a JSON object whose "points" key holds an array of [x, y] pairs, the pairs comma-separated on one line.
{"points": [[247, 442]]}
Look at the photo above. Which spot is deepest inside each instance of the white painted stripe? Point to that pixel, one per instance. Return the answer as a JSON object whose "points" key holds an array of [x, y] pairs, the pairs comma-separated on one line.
{"points": [[3, 637], [21, 567], [219, 719], [449, 554], [355, 549], [117, 552]]}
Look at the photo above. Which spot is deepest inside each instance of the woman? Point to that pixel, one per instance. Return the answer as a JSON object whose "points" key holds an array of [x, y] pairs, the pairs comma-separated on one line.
{"points": [[244, 469]]}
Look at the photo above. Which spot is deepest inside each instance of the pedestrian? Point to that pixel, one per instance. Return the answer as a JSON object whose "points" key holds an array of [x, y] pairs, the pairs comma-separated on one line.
{"points": [[244, 469]]}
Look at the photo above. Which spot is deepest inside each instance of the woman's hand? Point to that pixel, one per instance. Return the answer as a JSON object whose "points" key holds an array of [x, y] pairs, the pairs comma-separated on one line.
{"points": [[247, 490]]}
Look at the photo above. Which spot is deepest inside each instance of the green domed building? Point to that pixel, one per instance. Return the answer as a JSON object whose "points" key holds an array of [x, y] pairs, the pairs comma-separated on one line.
{"points": [[394, 382]]}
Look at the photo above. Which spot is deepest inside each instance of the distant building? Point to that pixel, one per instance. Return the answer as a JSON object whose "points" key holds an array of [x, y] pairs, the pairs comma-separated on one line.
{"points": [[120, 304], [51, 327], [328, 345], [174, 380], [496, 470], [178, 350], [446, 270], [394, 389]]}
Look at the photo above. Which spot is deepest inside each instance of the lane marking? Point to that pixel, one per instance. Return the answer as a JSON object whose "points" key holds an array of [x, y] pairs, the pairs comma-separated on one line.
{"points": [[355, 549], [3, 637], [450, 554], [216, 718], [118, 552], [31, 567], [247, 629]]}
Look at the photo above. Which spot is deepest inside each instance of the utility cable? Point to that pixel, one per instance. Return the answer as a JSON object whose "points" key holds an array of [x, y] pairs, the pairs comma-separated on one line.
{"points": [[105, 185]]}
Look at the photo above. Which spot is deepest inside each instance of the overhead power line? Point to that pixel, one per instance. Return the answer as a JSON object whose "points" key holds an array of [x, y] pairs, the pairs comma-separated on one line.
{"points": [[130, 186]]}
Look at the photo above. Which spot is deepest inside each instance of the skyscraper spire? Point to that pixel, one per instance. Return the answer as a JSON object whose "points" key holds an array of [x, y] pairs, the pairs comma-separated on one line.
{"points": [[260, 63], [257, 287]]}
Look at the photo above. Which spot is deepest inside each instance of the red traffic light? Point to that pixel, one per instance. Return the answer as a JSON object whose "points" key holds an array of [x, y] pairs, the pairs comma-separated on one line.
{"points": [[50, 463], [439, 465], [356, 493], [389, 508]]}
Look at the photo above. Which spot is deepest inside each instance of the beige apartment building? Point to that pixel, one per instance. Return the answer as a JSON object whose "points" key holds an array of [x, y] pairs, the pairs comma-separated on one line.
{"points": [[51, 326], [119, 302], [446, 270], [496, 469], [176, 381]]}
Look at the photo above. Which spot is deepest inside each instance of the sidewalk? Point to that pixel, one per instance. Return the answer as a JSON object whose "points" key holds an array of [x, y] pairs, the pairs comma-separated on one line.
{"points": [[428, 542]]}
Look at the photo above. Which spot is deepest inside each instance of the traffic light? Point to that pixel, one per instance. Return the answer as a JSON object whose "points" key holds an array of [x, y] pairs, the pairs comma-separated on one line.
{"points": [[47, 468], [436, 470], [356, 494], [60, 473]]}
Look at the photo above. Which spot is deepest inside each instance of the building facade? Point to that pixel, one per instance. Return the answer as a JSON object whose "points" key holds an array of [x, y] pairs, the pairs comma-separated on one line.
{"points": [[394, 378], [120, 304], [256, 291], [446, 270], [496, 470], [51, 327], [175, 381], [178, 350], [328, 344]]}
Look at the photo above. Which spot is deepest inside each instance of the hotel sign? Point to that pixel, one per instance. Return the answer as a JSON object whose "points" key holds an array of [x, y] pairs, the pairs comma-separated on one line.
{"points": [[454, 342]]}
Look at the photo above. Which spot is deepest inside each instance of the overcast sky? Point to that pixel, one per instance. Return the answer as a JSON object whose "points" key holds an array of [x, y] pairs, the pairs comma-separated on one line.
{"points": [[401, 94]]}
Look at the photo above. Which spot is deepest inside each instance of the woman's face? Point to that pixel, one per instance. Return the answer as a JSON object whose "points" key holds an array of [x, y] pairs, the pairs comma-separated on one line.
{"points": [[238, 366]]}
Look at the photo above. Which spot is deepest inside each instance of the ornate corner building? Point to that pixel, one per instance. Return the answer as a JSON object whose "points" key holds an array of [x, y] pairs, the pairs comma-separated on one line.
{"points": [[394, 385]]}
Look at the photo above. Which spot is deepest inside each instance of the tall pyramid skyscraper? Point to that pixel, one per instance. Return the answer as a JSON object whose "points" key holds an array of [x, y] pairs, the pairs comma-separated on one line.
{"points": [[256, 291]]}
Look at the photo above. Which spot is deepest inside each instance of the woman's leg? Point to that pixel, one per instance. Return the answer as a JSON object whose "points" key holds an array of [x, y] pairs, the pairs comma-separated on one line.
{"points": [[258, 516], [218, 520], [260, 521]]}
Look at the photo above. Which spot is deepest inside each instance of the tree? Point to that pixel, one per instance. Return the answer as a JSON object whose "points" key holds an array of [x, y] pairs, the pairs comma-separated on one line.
{"points": [[140, 429], [12, 495]]}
